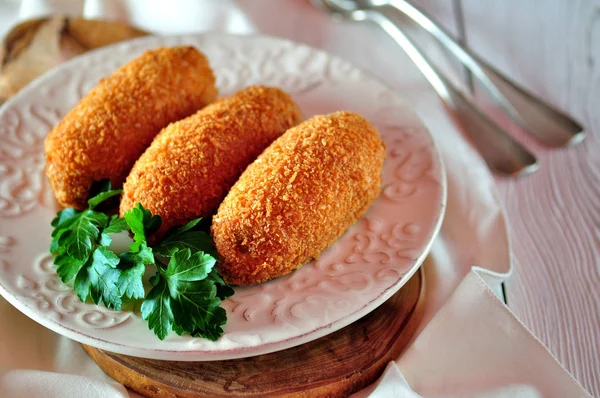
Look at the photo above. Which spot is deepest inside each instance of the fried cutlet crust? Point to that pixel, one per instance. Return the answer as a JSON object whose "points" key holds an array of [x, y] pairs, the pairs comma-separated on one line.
{"points": [[298, 197], [112, 125], [192, 164]]}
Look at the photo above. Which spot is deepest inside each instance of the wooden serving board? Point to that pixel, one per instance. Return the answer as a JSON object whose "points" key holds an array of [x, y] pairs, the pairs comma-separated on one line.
{"points": [[336, 365]]}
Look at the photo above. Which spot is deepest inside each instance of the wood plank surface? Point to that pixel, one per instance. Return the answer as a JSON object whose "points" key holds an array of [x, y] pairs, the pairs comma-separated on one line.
{"points": [[553, 48]]}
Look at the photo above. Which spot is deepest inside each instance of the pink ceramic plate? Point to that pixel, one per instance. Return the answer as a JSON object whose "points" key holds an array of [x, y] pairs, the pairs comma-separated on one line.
{"points": [[359, 272]]}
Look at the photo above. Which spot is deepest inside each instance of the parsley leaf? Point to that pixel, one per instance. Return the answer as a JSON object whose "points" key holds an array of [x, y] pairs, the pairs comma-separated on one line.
{"points": [[224, 291], [192, 296], [133, 263], [103, 276], [83, 230], [133, 267], [141, 222], [63, 216], [79, 241], [183, 228], [185, 237], [216, 277], [193, 240], [185, 266], [82, 283], [145, 255], [67, 267], [130, 281], [116, 225], [101, 197], [186, 294], [194, 304], [100, 186], [214, 329], [156, 309]]}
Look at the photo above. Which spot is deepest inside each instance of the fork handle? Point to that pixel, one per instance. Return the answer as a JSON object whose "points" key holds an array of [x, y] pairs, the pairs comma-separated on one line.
{"points": [[500, 151], [549, 125]]}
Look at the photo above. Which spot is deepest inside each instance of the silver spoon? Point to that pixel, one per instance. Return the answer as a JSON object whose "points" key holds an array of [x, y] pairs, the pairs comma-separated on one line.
{"points": [[500, 151], [550, 126]]}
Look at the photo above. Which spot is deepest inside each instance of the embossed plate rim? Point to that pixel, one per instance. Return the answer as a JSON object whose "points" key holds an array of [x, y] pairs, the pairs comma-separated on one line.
{"points": [[193, 352]]}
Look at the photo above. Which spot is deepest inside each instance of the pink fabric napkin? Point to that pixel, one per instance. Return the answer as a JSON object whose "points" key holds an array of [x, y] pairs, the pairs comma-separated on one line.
{"points": [[34, 383], [469, 343], [475, 347]]}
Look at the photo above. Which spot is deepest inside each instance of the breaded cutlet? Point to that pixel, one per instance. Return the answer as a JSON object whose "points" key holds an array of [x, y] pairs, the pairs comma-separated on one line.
{"points": [[191, 165], [298, 197], [112, 125]]}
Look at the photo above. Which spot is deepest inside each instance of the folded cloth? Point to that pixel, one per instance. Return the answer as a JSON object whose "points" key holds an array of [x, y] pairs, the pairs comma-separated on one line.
{"points": [[475, 347], [34, 383], [393, 384]]}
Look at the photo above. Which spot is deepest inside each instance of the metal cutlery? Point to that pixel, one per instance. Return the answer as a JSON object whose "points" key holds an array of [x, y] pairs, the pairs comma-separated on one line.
{"points": [[501, 152]]}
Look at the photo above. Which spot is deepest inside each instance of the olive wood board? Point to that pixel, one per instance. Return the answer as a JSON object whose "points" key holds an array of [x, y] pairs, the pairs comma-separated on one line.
{"points": [[336, 365]]}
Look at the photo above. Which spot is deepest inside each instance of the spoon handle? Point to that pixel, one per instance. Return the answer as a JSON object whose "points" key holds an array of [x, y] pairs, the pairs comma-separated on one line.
{"points": [[500, 151], [548, 125]]}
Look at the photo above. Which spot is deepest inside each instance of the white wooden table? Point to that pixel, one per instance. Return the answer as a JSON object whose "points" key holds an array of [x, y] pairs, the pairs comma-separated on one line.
{"points": [[551, 47]]}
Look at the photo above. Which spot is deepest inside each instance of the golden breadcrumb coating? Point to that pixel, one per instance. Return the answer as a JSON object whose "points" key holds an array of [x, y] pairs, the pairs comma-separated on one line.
{"points": [[191, 165], [103, 135], [298, 197]]}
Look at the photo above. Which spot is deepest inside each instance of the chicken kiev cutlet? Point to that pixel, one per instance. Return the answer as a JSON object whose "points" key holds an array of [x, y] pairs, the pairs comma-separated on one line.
{"points": [[298, 197], [191, 165], [112, 125]]}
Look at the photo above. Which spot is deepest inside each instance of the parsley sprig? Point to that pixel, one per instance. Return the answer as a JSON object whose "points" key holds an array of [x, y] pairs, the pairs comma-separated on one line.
{"points": [[186, 293]]}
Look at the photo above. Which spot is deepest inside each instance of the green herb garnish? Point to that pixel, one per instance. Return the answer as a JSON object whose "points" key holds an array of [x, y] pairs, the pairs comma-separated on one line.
{"points": [[186, 294], [185, 297]]}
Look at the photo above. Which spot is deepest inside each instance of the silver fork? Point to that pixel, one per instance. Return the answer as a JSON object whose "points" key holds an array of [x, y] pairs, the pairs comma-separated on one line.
{"points": [[499, 150]]}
